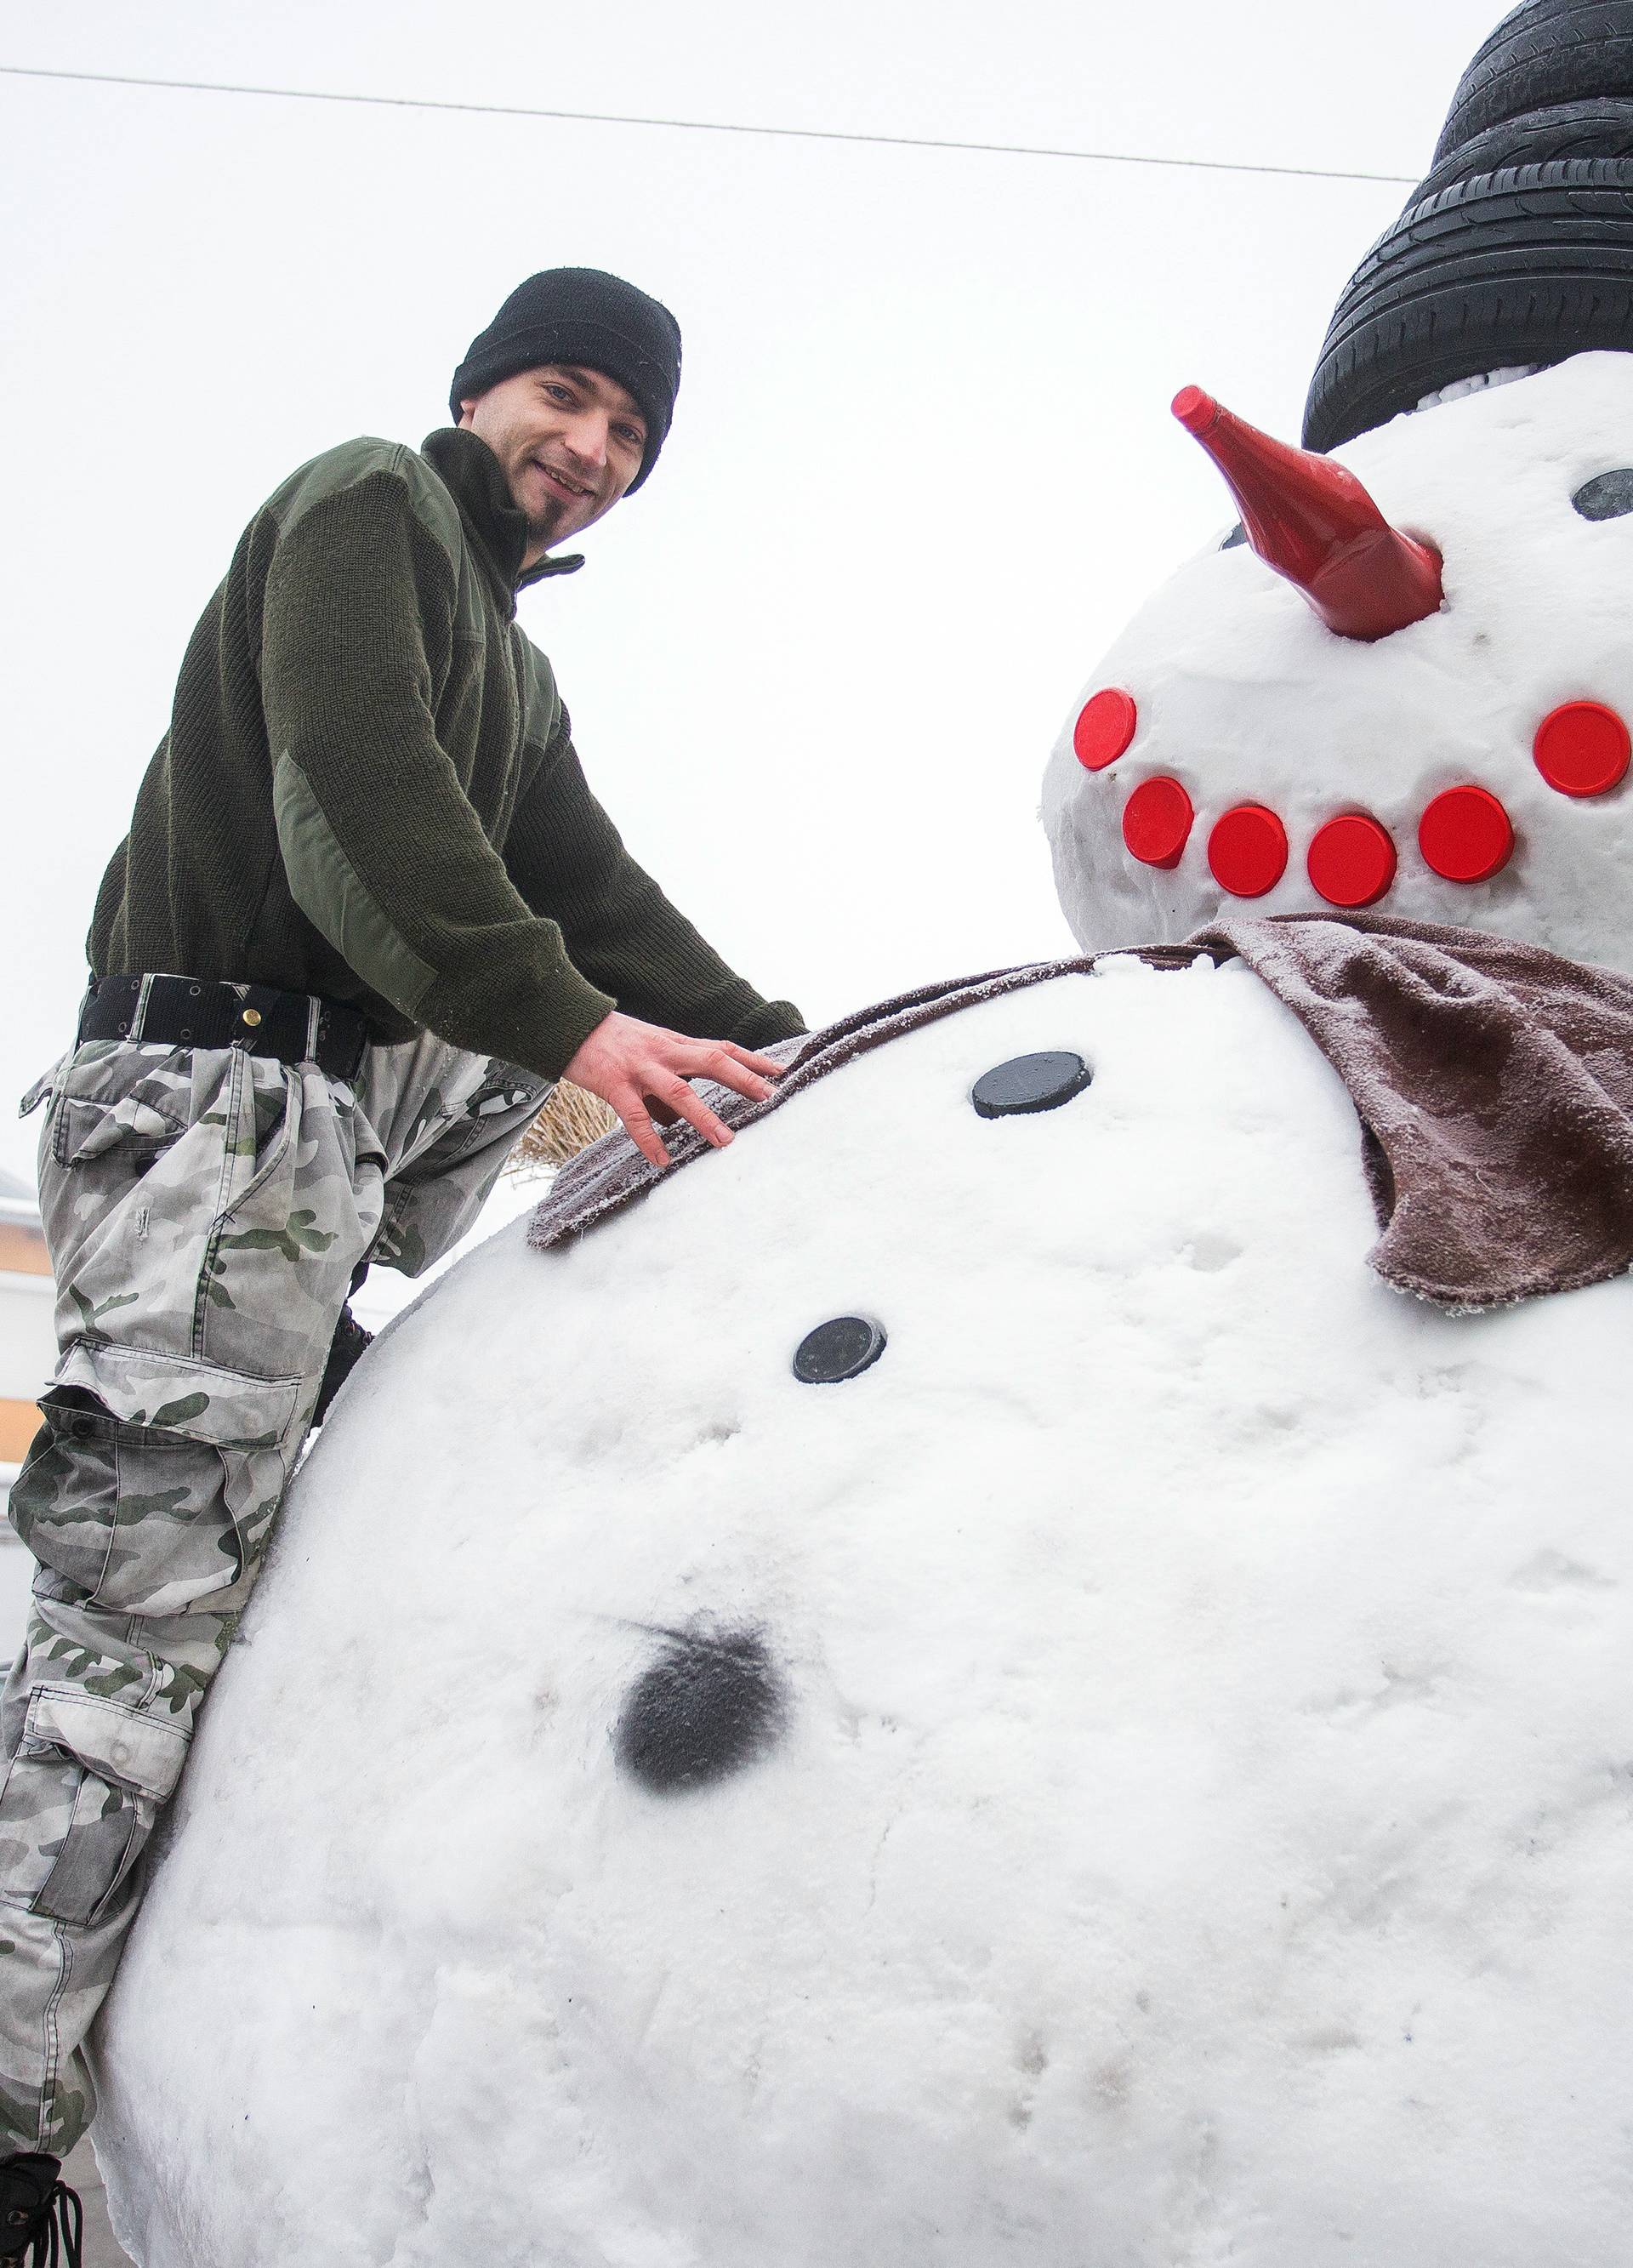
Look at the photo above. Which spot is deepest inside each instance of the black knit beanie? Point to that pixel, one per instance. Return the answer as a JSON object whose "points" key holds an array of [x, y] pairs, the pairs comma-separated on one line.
{"points": [[582, 315]]}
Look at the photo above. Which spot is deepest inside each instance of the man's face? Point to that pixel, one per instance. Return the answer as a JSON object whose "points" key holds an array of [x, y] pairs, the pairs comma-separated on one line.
{"points": [[570, 441]]}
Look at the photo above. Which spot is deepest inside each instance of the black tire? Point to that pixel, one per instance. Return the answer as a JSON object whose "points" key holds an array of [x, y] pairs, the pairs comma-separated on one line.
{"points": [[1601, 129], [1542, 54], [1524, 264]]}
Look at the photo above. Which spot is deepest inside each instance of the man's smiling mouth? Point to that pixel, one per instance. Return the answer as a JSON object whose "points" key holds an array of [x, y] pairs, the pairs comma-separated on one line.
{"points": [[562, 480]]}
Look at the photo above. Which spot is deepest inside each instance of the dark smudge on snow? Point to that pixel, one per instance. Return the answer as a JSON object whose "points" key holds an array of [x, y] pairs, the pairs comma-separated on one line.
{"points": [[710, 1703]]}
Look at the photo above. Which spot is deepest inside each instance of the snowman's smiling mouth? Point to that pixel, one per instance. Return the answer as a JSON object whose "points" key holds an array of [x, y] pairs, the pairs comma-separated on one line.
{"points": [[1465, 835]]}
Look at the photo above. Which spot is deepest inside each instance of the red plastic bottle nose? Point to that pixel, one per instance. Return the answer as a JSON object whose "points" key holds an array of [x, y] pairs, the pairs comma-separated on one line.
{"points": [[1312, 522]]}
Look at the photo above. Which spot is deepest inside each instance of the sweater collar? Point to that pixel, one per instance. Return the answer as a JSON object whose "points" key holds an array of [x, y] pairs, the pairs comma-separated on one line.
{"points": [[472, 473]]}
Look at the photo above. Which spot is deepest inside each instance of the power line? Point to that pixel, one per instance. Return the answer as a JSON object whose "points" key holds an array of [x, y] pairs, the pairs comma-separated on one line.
{"points": [[703, 125]]}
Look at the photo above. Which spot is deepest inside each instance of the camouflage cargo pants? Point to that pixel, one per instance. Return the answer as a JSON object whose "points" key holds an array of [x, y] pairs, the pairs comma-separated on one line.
{"points": [[205, 1210]]}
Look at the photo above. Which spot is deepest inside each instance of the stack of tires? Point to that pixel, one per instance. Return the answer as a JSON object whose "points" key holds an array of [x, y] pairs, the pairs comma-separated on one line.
{"points": [[1518, 247]]}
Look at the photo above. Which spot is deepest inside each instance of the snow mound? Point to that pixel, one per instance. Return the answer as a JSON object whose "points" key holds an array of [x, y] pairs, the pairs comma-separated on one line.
{"points": [[1157, 1791]]}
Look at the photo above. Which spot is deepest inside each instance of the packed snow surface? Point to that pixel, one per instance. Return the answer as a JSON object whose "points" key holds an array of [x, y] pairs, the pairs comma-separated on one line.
{"points": [[1244, 697], [1194, 1822]]}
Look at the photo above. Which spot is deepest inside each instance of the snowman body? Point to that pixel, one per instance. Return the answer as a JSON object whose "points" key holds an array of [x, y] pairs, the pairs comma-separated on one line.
{"points": [[1183, 1811], [1241, 696]]}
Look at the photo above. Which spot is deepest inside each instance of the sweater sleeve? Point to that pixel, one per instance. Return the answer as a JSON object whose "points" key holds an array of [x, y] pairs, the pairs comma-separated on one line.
{"points": [[571, 864], [385, 853]]}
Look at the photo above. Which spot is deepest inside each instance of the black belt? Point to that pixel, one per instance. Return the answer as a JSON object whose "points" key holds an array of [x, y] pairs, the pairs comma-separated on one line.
{"points": [[188, 1012]]}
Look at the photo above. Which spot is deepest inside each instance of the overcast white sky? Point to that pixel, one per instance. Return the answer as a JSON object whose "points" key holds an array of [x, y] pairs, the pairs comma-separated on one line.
{"points": [[922, 469]]}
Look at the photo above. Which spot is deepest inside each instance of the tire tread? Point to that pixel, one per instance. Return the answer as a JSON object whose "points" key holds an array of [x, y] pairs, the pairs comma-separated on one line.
{"points": [[1525, 263], [1542, 54]]}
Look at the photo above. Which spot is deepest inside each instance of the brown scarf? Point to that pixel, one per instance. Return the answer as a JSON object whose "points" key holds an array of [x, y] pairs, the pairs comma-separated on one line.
{"points": [[1493, 1081]]}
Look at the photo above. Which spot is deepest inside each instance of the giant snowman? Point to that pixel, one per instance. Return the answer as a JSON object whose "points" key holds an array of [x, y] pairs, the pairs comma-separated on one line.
{"points": [[970, 1680]]}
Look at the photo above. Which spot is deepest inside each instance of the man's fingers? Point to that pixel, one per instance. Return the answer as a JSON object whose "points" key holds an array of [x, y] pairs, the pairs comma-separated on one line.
{"points": [[649, 1081], [768, 1066], [686, 1103], [632, 1110], [732, 1067], [623, 1058], [662, 1070]]}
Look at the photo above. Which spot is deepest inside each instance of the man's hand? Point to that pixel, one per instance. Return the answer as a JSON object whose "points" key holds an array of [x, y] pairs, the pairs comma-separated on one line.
{"points": [[633, 1065]]}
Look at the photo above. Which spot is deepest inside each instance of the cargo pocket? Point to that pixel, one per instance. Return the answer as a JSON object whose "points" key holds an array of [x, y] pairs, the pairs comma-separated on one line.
{"points": [[79, 1801], [114, 1096], [158, 1511]]}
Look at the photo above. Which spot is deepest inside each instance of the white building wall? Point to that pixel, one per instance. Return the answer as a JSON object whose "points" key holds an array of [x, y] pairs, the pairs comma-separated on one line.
{"points": [[27, 1340], [27, 1358]]}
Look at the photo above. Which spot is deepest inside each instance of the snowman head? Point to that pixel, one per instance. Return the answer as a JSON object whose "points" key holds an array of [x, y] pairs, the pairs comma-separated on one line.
{"points": [[1443, 731], [1402, 679]]}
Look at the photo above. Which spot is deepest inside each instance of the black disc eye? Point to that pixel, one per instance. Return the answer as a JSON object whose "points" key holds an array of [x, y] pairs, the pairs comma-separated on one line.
{"points": [[842, 1347], [1039, 1082], [1607, 496], [710, 1703], [1238, 534]]}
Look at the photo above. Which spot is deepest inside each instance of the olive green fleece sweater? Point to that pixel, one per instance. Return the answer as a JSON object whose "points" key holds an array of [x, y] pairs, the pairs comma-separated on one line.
{"points": [[369, 789]]}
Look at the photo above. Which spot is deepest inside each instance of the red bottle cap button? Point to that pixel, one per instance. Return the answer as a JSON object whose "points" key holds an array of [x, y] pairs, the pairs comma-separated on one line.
{"points": [[1582, 748], [1351, 861], [1157, 822], [1105, 728], [1466, 835], [1247, 850]]}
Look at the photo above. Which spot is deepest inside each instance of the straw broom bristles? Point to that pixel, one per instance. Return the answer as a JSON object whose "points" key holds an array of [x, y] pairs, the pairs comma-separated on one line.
{"points": [[570, 1122]]}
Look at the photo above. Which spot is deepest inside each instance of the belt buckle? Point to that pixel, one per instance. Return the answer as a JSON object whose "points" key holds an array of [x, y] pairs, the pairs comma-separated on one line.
{"points": [[138, 1014]]}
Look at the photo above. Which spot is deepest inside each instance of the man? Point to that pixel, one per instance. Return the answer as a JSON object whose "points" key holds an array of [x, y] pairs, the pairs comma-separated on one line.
{"points": [[367, 912]]}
